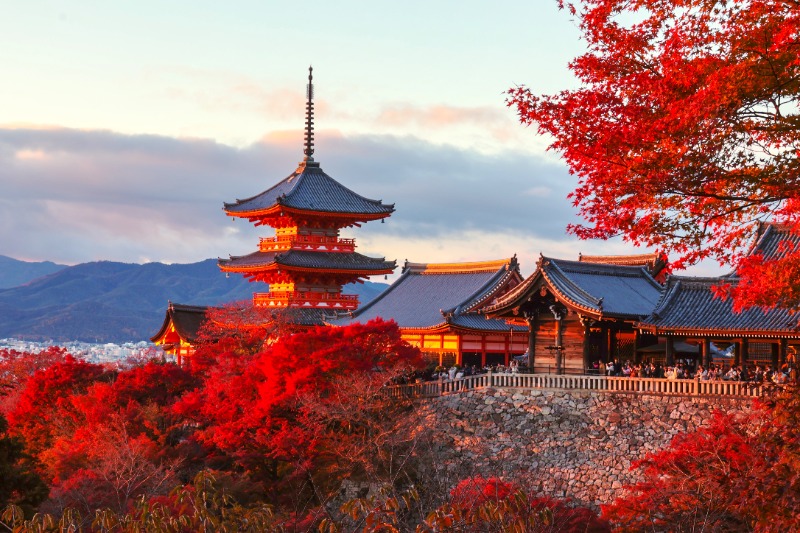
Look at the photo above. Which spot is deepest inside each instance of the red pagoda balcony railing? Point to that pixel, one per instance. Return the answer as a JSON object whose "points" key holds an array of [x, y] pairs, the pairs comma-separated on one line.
{"points": [[308, 300], [315, 243]]}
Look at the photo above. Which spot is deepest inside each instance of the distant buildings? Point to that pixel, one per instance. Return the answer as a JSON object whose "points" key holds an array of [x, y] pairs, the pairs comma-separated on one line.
{"points": [[91, 352]]}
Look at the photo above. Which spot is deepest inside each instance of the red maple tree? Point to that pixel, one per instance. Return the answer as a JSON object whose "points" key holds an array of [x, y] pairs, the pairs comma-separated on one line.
{"points": [[737, 473], [297, 409], [685, 131]]}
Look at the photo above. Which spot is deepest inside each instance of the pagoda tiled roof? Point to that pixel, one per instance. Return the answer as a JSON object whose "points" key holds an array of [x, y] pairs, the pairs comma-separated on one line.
{"points": [[602, 290], [328, 261], [432, 296], [187, 320], [310, 189], [305, 317], [688, 306]]}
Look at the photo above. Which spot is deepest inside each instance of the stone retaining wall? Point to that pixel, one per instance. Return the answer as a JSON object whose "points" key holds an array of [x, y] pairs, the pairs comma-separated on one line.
{"points": [[562, 443]]}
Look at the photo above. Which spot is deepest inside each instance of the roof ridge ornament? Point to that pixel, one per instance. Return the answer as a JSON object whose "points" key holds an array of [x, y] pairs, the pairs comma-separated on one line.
{"points": [[309, 136]]}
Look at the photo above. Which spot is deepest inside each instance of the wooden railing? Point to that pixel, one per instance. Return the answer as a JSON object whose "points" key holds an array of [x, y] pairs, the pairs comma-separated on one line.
{"points": [[658, 386], [307, 242], [325, 300]]}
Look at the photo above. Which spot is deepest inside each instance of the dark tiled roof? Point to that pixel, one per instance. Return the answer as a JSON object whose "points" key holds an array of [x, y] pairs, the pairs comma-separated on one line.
{"points": [[609, 290], [305, 317], [770, 237], [310, 189], [480, 322], [655, 262], [612, 290], [432, 295], [187, 320], [688, 306], [303, 259]]}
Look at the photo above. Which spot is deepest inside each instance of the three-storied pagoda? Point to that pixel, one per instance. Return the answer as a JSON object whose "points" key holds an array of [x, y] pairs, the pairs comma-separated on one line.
{"points": [[306, 263]]}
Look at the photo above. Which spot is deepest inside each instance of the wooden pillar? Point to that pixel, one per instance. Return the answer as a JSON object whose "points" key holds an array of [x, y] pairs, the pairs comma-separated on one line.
{"points": [[745, 355], [587, 331], [508, 340], [707, 358], [777, 350], [670, 355], [532, 325], [560, 345], [613, 352]]}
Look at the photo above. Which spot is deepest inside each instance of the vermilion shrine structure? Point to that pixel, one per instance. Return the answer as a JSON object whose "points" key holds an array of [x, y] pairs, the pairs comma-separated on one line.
{"points": [[307, 262], [437, 307]]}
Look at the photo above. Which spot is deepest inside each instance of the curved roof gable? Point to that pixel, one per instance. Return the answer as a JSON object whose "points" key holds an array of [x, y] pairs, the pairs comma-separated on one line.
{"points": [[186, 319], [429, 295], [612, 290], [688, 305], [310, 189], [771, 238], [607, 289]]}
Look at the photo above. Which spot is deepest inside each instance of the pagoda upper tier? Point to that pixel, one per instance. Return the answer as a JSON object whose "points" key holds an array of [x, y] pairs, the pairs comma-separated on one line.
{"points": [[309, 197], [306, 263]]}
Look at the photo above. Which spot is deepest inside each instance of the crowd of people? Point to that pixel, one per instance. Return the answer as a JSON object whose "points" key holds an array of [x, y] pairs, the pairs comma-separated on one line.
{"points": [[687, 369], [457, 372], [756, 372]]}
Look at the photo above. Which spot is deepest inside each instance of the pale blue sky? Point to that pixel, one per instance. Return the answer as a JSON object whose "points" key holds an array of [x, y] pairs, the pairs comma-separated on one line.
{"points": [[124, 126], [218, 70]]}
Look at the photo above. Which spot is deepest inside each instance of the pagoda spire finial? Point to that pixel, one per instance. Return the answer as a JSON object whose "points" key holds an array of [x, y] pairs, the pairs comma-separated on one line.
{"points": [[309, 137]]}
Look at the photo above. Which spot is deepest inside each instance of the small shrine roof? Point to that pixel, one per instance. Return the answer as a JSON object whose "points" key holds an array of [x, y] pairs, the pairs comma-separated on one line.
{"points": [[609, 290], [331, 261], [429, 296], [688, 306], [310, 189], [186, 319]]}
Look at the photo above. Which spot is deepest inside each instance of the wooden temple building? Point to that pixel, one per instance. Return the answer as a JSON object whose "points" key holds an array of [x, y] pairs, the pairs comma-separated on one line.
{"points": [[437, 307], [307, 262], [581, 312], [689, 313]]}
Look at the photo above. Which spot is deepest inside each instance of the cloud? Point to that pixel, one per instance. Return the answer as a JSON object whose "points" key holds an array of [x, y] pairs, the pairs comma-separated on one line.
{"points": [[73, 195], [438, 116]]}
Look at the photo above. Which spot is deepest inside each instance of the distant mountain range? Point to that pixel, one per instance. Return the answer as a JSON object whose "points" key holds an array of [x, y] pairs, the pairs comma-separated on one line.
{"points": [[114, 302], [14, 273]]}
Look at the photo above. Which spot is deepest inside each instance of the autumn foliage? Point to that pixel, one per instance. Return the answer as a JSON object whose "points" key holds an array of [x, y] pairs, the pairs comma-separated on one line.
{"points": [[738, 473], [261, 437], [684, 133], [480, 504]]}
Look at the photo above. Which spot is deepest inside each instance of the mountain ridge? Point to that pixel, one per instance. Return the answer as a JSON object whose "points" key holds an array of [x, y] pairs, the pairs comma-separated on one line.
{"points": [[107, 301], [15, 272]]}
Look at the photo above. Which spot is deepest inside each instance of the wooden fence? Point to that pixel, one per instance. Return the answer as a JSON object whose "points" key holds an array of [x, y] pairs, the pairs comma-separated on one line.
{"points": [[658, 386]]}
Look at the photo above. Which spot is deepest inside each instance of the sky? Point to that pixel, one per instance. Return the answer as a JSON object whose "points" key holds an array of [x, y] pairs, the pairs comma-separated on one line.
{"points": [[125, 126]]}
